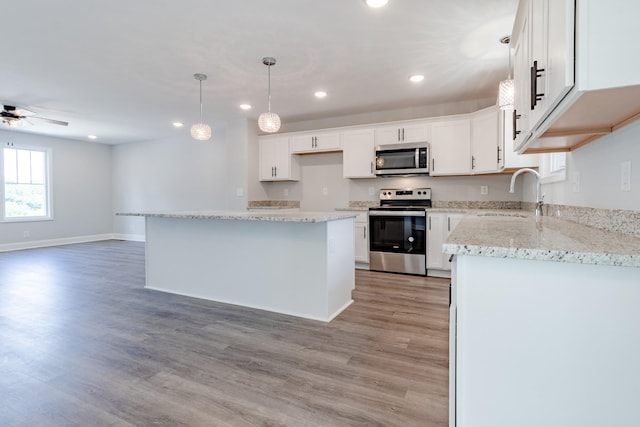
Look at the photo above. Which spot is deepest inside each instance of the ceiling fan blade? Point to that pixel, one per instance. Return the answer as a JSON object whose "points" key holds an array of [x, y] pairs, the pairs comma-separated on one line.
{"points": [[55, 122]]}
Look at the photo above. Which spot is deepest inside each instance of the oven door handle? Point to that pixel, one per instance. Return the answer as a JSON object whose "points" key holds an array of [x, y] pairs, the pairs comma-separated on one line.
{"points": [[397, 213]]}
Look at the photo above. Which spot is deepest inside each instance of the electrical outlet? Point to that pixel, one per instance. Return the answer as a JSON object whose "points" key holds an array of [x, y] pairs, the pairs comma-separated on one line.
{"points": [[371, 191], [625, 175], [484, 190], [286, 192], [25, 234], [240, 192], [325, 191]]}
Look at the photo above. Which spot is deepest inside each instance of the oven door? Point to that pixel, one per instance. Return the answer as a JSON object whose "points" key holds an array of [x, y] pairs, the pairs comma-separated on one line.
{"points": [[397, 241]]}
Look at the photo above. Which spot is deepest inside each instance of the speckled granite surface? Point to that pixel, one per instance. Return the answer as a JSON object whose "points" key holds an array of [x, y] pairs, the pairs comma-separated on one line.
{"points": [[476, 204], [616, 220], [546, 239], [249, 216], [273, 204]]}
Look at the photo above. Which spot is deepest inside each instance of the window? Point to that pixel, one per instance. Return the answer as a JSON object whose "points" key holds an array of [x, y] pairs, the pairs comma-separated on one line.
{"points": [[553, 167], [25, 183]]}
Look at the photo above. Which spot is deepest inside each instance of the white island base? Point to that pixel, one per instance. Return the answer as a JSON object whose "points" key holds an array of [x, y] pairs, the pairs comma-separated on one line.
{"points": [[298, 267]]}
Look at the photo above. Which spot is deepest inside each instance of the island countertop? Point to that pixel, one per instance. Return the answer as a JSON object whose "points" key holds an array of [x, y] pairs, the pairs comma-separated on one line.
{"points": [[523, 236], [303, 216]]}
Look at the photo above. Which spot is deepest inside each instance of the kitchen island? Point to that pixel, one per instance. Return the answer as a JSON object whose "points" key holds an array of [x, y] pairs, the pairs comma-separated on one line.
{"points": [[544, 323], [295, 263]]}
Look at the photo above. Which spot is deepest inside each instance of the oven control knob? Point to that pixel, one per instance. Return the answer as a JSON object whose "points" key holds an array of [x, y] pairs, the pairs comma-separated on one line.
{"points": [[411, 239]]}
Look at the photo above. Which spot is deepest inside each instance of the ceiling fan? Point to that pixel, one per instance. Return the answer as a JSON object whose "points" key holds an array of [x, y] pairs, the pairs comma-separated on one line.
{"points": [[13, 116]]}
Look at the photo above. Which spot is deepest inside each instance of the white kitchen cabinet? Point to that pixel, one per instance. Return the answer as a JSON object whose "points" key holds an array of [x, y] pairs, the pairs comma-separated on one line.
{"points": [[451, 147], [314, 142], [509, 159], [485, 141], [439, 226], [578, 81], [402, 132], [275, 161], [358, 154], [361, 238]]}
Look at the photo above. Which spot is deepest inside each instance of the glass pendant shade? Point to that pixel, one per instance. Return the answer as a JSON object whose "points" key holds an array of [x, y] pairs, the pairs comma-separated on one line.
{"points": [[201, 132], [269, 122], [506, 94]]}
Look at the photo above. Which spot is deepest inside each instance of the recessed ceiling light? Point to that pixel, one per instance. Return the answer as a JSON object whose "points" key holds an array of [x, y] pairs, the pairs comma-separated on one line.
{"points": [[92, 137], [376, 3], [245, 106], [320, 94], [177, 124], [416, 78]]}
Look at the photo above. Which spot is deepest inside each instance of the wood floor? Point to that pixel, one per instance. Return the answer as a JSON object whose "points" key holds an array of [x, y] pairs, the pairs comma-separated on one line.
{"points": [[82, 343]]}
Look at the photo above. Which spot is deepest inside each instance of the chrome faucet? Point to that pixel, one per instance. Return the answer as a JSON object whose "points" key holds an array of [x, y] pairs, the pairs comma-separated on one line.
{"points": [[539, 196]]}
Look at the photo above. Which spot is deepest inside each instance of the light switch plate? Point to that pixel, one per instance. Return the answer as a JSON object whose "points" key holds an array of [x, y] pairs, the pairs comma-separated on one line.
{"points": [[286, 192], [484, 190]]}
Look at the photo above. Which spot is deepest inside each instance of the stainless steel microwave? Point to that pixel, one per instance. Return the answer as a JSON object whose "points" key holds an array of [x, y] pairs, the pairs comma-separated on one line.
{"points": [[402, 159]]}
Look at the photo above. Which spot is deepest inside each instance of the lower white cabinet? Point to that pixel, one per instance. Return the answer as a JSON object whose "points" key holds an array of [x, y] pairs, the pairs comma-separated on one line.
{"points": [[358, 153], [361, 238], [439, 226]]}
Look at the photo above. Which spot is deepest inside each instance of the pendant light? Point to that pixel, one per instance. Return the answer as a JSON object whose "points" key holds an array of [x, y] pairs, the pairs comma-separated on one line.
{"points": [[506, 88], [269, 122], [200, 131]]}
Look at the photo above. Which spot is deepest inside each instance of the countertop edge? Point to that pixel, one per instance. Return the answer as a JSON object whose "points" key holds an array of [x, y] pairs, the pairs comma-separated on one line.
{"points": [[307, 217]]}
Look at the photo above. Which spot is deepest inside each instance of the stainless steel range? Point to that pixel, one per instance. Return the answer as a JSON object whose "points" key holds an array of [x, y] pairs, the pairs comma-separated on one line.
{"points": [[397, 231]]}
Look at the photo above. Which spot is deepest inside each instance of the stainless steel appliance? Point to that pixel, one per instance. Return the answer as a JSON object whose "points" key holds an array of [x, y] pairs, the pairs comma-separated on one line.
{"points": [[402, 159], [397, 231]]}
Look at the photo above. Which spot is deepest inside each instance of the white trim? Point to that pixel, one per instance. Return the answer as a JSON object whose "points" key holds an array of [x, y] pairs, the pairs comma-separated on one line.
{"points": [[67, 241], [129, 237]]}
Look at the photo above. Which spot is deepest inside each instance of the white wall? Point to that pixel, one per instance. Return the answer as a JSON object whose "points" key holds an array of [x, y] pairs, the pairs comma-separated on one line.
{"points": [[81, 191], [180, 175], [598, 167]]}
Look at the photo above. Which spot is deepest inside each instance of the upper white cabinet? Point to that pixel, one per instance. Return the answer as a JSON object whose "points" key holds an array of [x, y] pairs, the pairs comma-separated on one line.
{"points": [[402, 132], [485, 141], [358, 153], [567, 96], [315, 142], [509, 159], [275, 160], [451, 146]]}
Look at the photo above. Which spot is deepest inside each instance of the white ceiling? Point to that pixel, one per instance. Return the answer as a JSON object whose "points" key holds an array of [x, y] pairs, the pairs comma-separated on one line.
{"points": [[123, 69]]}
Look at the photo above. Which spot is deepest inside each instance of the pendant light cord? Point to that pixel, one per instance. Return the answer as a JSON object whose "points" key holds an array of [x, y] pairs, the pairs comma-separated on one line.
{"points": [[200, 101], [269, 85]]}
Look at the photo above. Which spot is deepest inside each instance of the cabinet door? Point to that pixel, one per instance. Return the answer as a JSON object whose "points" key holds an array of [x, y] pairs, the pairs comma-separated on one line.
{"points": [[435, 236], [275, 162], [538, 60], [314, 142], [388, 135], [402, 132], [450, 147], [521, 75], [485, 141], [418, 132], [361, 230], [509, 159], [560, 50], [358, 154], [452, 220]]}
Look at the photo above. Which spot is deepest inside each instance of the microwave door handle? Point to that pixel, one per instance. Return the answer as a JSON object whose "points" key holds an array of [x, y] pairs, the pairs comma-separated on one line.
{"points": [[417, 158]]}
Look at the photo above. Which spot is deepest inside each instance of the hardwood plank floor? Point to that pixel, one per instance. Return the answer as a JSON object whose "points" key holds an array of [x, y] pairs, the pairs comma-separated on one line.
{"points": [[82, 343]]}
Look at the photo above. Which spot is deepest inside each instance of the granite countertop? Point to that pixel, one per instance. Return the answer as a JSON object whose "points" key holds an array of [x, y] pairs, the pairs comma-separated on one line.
{"points": [[520, 235], [248, 216]]}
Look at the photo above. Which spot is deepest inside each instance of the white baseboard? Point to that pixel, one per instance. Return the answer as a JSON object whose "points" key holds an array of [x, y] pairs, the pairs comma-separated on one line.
{"points": [[129, 237], [68, 241]]}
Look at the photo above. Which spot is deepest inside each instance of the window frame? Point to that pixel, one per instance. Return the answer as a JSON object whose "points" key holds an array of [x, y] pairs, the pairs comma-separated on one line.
{"points": [[48, 183], [547, 172]]}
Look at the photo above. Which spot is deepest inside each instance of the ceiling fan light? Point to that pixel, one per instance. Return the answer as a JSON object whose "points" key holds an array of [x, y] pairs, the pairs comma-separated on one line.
{"points": [[201, 132], [269, 122], [506, 94]]}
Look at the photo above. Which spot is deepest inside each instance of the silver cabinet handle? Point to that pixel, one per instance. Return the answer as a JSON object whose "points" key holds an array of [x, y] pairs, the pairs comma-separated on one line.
{"points": [[399, 135], [473, 162], [433, 165], [364, 235], [275, 170], [449, 223], [403, 134], [371, 164], [429, 223]]}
